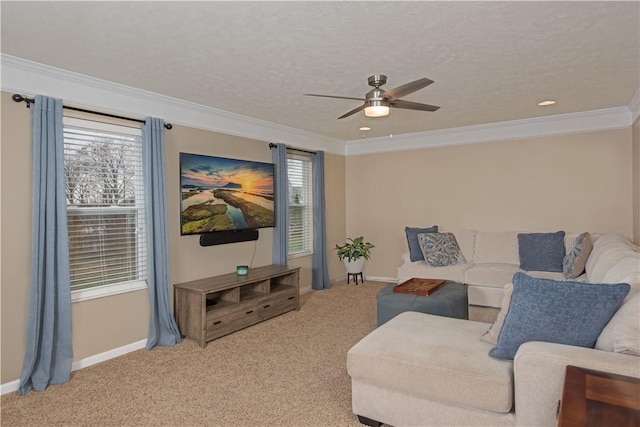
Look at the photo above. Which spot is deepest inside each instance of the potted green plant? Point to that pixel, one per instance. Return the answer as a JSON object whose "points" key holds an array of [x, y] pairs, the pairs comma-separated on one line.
{"points": [[354, 253]]}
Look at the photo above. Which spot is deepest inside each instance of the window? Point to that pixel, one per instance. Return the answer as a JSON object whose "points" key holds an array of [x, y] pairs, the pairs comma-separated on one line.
{"points": [[300, 206], [105, 208]]}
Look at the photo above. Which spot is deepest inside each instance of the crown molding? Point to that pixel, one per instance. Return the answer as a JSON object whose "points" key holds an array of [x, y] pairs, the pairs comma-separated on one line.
{"points": [[634, 106], [561, 124], [30, 78]]}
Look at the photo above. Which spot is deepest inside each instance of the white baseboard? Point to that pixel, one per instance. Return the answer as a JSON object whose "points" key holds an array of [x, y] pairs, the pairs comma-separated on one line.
{"points": [[109, 354], [12, 386], [370, 278], [305, 289], [9, 387], [381, 279]]}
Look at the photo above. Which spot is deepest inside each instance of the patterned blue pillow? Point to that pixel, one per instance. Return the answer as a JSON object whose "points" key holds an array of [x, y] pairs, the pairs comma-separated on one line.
{"points": [[576, 259], [541, 251], [415, 253], [440, 249], [563, 312]]}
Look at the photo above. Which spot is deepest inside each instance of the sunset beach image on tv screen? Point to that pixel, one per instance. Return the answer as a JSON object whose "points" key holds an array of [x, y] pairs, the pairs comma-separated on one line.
{"points": [[221, 194]]}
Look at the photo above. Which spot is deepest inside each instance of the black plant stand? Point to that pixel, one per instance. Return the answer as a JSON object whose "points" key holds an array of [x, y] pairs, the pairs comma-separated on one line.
{"points": [[355, 277]]}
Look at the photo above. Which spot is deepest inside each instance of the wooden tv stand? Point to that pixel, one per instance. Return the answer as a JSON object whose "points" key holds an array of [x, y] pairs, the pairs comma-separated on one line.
{"points": [[209, 308]]}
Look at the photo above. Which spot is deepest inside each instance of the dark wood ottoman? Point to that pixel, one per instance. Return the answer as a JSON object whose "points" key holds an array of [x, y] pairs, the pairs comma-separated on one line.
{"points": [[450, 300]]}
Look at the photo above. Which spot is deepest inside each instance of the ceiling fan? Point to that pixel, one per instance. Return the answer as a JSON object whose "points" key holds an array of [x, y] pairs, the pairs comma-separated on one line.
{"points": [[378, 101]]}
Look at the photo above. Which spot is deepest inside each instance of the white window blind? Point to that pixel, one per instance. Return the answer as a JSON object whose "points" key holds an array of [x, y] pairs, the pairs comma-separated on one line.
{"points": [[300, 206], [105, 205]]}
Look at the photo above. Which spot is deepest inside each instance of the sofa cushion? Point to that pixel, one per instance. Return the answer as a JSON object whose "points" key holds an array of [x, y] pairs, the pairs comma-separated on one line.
{"points": [[612, 259], [626, 338], [607, 250], [466, 239], [415, 252], [440, 249], [485, 296], [492, 275], [496, 247], [553, 275], [622, 333], [434, 357], [575, 260], [563, 312], [625, 270], [491, 336], [541, 251]]}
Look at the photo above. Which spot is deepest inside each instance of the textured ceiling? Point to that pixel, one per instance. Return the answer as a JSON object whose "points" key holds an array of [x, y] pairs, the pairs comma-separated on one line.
{"points": [[491, 61]]}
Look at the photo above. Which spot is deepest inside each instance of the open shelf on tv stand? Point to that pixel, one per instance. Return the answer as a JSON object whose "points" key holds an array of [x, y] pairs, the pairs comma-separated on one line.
{"points": [[212, 307]]}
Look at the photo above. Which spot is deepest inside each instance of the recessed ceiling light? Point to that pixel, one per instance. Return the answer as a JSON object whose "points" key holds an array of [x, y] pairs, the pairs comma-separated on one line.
{"points": [[363, 128], [547, 102]]}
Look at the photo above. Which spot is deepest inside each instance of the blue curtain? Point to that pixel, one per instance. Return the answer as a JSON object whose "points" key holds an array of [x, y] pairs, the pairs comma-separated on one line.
{"points": [[319, 268], [162, 326], [281, 231], [49, 351]]}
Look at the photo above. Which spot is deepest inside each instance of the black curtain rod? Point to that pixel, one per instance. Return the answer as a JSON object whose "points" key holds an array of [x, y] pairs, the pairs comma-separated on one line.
{"points": [[272, 145], [19, 98]]}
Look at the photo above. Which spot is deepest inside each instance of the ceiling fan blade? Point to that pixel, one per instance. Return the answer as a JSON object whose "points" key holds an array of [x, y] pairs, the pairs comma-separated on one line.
{"points": [[355, 110], [331, 96], [406, 89], [408, 105]]}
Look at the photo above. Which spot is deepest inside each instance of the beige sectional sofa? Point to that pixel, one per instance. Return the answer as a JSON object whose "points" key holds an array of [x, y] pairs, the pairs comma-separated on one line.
{"points": [[424, 370], [492, 260]]}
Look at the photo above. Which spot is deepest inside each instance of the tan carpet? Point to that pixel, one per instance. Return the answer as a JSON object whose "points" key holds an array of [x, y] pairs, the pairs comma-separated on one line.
{"points": [[287, 371]]}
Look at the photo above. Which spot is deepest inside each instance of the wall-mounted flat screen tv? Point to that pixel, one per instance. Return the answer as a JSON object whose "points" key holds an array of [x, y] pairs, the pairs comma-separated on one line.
{"points": [[222, 194]]}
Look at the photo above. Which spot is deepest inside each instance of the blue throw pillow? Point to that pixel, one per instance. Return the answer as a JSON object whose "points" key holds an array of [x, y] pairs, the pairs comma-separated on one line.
{"points": [[541, 251], [415, 253], [562, 312]]}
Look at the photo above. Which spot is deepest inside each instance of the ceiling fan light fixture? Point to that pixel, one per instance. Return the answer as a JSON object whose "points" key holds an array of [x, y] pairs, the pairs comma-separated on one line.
{"points": [[377, 108], [378, 102]]}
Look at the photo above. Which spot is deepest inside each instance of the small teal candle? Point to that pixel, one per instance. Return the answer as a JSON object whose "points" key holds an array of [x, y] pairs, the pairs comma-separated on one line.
{"points": [[242, 270]]}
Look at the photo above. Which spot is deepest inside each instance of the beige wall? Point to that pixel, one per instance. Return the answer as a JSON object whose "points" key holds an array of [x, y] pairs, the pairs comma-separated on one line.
{"points": [[335, 210], [107, 323], [16, 233], [636, 181], [579, 182], [189, 260]]}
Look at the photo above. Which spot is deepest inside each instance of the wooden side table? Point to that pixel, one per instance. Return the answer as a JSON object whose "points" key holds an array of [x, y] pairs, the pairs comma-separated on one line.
{"points": [[593, 398]]}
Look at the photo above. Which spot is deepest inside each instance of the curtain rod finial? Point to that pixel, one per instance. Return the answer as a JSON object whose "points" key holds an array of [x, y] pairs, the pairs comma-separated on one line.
{"points": [[19, 98]]}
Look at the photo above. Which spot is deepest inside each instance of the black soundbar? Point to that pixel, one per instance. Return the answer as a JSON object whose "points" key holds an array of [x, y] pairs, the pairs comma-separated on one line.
{"points": [[222, 237]]}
